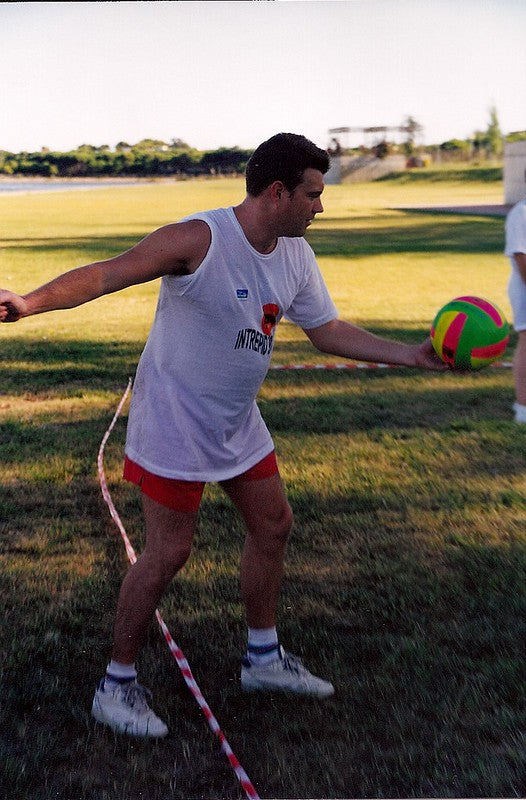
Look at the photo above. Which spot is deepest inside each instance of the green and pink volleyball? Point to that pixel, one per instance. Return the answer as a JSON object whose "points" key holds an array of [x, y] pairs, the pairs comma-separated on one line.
{"points": [[469, 333]]}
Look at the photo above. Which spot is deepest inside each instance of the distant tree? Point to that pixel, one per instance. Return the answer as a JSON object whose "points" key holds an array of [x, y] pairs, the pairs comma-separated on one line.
{"points": [[455, 144], [85, 148], [7, 163], [411, 128], [381, 149], [480, 143], [494, 133], [150, 146], [225, 161], [147, 157], [457, 150], [179, 144]]}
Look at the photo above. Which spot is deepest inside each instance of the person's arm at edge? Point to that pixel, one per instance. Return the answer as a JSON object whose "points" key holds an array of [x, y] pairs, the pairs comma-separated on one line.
{"points": [[520, 260], [341, 338], [174, 249]]}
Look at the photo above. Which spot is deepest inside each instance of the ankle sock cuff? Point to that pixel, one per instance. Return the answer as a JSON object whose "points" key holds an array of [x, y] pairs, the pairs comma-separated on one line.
{"points": [[262, 649], [121, 673]]}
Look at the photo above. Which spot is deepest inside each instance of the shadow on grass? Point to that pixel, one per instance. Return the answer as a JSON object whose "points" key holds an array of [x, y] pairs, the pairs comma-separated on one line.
{"points": [[377, 407], [105, 245], [453, 234], [360, 403], [425, 654], [36, 366], [421, 639], [311, 403], [439, 235]]}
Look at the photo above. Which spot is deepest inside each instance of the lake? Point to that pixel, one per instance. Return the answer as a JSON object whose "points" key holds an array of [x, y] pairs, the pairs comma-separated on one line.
{"points": [[23, 186]]}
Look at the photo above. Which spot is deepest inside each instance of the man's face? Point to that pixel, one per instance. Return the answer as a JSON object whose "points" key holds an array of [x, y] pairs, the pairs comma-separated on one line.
{"points": [[301, 206]]}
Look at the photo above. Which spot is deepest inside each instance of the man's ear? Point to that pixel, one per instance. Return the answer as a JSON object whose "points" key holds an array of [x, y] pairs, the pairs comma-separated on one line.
{"points": [[277, 189]]}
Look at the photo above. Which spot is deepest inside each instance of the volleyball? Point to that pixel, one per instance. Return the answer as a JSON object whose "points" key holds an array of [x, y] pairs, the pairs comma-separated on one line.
{"points": [[469, 333]]}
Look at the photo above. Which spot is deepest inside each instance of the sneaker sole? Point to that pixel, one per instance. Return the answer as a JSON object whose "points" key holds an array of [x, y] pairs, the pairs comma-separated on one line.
{"points": [[98, 716], [248, 688]]}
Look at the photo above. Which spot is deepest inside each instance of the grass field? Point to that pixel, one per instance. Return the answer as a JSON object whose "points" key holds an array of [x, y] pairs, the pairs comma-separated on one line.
{"points": [[405, 579]]}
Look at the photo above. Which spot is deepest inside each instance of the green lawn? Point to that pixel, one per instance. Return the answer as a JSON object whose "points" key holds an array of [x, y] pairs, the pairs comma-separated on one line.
{"points": [[405, 579]]}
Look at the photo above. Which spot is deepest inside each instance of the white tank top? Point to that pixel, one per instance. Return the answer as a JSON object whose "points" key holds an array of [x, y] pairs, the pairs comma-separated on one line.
{"points": [[193, 413]]}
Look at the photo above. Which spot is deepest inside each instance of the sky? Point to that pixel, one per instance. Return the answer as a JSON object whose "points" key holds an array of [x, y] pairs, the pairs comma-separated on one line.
{"points": [[224, 74]]}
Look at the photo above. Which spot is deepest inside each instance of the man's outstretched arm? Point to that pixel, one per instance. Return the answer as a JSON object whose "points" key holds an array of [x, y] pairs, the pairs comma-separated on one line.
{"points": [[173, 249], [341, 338]]}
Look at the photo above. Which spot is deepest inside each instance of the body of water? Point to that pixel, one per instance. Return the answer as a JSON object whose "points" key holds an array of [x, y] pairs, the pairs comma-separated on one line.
{"points": [[21, 186]]}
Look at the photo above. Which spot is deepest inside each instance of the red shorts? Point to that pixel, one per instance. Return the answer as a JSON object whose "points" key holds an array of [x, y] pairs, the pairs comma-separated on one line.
{"points": [[186, 495]]}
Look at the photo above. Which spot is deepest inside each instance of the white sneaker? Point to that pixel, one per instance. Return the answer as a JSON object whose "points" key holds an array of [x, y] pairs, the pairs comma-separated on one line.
{"points": [[125, 709], [285, 674]]}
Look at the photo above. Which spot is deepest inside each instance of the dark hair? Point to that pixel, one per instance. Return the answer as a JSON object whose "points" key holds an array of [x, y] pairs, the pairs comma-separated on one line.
{"points": [[284, 157]]}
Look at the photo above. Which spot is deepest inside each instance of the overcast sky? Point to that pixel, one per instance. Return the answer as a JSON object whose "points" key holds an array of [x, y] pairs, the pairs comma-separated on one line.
{"points": [[233, 73]]}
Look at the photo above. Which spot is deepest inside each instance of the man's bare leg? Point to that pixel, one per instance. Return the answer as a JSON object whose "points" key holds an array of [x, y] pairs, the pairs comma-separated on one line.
{"points": [[268, 519], [169, 536], [120, 702]]}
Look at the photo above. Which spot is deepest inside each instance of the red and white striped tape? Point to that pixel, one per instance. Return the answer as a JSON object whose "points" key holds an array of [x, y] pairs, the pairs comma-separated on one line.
{"points": [[360, 365], [176, 651]]}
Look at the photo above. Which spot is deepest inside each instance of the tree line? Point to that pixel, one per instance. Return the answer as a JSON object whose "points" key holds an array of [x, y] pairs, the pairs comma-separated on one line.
{"points": [[483, 145], [153, 157], [149, 157]]}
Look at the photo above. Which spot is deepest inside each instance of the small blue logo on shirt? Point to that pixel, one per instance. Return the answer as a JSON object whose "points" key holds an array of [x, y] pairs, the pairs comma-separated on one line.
{"points": [[242, 294]]}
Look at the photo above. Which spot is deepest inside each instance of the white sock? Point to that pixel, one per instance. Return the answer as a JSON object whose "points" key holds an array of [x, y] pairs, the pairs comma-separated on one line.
{"points": [[520, 412], [120, 673], [263, 645]]}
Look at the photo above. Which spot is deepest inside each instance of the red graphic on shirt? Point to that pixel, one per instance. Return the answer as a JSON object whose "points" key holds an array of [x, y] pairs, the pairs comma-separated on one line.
{"points": [[270, 313]]}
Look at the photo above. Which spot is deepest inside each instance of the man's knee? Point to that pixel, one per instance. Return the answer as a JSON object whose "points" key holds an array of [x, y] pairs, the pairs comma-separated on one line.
{"points": [[169, 536], [277, 525], [176, 556], [286, 520], [164, 563]]}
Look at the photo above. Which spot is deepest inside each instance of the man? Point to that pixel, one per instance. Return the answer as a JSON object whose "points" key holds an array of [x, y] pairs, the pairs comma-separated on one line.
{"points": [[515, 249], [228, 277]]}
